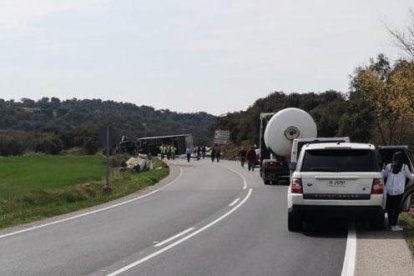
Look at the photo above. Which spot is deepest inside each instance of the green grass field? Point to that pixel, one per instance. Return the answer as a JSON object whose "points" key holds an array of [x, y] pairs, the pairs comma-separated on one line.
{"points": [[40, 186], [22, 174]]}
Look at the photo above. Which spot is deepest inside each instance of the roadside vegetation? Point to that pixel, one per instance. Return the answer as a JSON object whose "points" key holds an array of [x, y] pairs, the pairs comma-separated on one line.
{"points": [[41, 186], [407, 220]]}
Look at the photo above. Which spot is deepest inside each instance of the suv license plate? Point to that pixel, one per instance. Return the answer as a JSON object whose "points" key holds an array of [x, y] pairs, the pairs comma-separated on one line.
{"points": [[337, 183]]}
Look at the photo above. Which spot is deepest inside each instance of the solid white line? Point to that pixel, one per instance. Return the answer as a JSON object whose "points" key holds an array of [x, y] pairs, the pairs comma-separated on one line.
{"points": [[168, 247], [90, 212], [348, 268], [174, 237], [234, 202]]}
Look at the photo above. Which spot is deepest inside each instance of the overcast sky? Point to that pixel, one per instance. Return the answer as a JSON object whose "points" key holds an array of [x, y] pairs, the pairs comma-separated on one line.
{"points": [[189, 55]]}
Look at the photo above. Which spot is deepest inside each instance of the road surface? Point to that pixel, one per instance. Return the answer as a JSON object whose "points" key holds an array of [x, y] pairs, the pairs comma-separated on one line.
{"points": [[209, 219]]}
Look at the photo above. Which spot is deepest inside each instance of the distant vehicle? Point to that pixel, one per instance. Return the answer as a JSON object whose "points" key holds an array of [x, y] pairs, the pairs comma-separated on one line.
{"points": [[284, 126], [336, 179]]}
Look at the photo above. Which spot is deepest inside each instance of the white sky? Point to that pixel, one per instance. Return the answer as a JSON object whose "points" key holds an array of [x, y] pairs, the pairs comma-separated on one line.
{"points": [[189, 55]]}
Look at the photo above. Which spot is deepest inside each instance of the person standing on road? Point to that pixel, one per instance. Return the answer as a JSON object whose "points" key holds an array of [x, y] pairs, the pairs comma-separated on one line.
{"points": [[396, 174], [213, 154], [242, 155], [188, 152], [162, 151], [203, 152], [251, 159], [218, 153], [168, 152], [173, 151], [198, 152]]}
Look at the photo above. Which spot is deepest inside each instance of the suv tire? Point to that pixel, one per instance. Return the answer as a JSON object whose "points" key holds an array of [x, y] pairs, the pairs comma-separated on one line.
{"points": [[294, 221]]}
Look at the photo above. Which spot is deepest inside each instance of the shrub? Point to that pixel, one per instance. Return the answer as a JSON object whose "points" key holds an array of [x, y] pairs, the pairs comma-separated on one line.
{"points": [[13, 143], [48, 143]]}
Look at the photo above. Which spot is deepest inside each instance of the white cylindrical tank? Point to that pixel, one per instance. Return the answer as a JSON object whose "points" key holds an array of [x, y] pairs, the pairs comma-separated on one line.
{"points": [[286, 125]]}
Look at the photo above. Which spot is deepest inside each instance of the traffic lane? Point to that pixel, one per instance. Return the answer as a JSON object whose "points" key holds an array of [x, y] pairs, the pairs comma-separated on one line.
{"points": [[85, 245], [254, 241]]}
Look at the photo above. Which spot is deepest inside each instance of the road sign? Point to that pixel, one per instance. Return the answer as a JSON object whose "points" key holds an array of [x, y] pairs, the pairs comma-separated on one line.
{"points": [[221, 136]]}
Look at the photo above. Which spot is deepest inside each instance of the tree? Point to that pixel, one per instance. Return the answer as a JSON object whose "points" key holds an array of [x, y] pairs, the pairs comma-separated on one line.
{"points": [[405, 39], [389, 92]]}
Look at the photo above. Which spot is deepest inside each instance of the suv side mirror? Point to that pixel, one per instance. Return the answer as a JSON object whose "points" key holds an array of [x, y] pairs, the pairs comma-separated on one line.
{"points": [[292, 166]]}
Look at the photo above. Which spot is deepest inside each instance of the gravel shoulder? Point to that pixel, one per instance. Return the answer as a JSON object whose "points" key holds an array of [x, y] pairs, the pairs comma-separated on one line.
{"points": [[383, 253]]}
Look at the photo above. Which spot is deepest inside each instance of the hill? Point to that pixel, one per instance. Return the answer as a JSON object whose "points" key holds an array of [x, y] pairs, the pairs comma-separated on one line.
{"points": [[78, 122]]}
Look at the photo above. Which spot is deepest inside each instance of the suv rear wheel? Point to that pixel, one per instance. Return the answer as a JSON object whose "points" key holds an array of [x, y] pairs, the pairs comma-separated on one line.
{"points": [[294, 221]]}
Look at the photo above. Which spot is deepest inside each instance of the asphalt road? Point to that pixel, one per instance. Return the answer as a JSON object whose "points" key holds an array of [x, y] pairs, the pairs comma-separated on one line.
{"points": [[226, 222]]}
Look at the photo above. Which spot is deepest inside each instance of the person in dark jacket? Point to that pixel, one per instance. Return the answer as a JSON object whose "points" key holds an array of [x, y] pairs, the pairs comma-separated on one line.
{"points": [[213, 154], [218, 153], [242, 155], [251, 159], [396, 174]]}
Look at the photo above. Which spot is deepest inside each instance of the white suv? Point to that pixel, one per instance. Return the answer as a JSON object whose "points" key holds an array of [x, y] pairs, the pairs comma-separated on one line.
{"points": [[336, 179]]}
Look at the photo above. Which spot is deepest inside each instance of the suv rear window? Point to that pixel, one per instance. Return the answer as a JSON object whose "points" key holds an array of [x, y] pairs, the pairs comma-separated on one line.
{"points": [[340, 160], [301, 144]]}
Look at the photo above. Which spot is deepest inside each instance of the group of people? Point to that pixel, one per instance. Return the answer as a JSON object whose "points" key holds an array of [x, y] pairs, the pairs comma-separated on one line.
{"points": [[249, 156], [168, 151], [200, 152]]}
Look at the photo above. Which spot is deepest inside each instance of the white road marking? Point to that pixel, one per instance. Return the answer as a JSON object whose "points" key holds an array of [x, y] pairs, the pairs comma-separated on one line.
{"points": [[239, 174], [234, 202], [168, 247], [348, 268], [90, 212], [174, 237]]}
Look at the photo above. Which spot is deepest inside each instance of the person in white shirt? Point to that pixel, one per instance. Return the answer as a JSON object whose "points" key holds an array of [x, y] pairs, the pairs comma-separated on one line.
{"points": [[396, 174], [188, 152]]}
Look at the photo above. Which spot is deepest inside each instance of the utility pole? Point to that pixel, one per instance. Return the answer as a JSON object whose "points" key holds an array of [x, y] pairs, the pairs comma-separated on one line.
{"points": [[106, 188]]}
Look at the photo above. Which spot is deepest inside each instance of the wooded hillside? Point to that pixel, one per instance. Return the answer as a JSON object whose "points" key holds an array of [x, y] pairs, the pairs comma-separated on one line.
{"points": [[55, 124]]}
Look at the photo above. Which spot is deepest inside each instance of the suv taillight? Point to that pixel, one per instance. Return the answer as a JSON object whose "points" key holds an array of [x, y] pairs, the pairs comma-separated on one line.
{"points": [[296, 186], [377, 186]]}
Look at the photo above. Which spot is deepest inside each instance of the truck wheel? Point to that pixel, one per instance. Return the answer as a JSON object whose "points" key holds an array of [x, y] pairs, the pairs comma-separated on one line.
{"points": [[266, 182], [294, 221], [377, 223]]}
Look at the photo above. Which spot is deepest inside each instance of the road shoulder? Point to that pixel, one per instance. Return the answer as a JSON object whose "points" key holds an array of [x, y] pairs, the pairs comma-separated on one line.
{"points": [[383, 253]]}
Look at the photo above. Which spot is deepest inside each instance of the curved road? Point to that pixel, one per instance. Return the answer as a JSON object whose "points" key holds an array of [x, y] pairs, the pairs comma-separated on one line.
{"points": [[204, 219]]}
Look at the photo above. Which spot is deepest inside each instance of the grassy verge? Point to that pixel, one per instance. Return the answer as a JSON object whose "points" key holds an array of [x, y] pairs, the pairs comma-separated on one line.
{"points": [[38, 187], [407, 220]]}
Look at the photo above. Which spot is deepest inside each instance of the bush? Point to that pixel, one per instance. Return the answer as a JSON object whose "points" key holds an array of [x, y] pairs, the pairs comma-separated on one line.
{"points": [[13, 143], [90, 146], [119, 160], [48, 143]]}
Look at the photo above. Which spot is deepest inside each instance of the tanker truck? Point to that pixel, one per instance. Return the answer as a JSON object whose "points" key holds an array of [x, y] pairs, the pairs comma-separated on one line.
{"points": [[283, 127], [285, 135]]}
